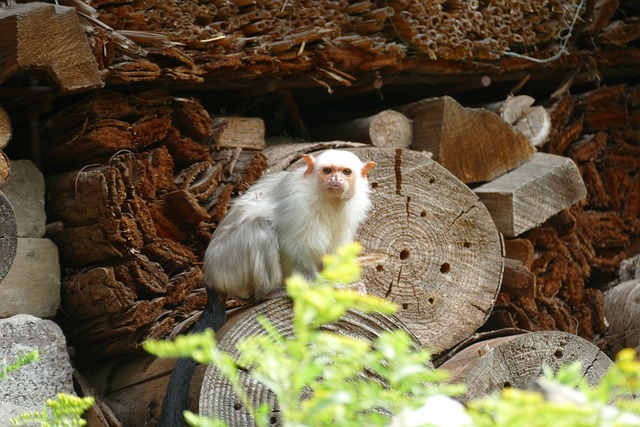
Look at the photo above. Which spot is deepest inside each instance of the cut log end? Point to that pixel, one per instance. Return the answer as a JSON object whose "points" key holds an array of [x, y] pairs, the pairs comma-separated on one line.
{"points": [[439, 254]]}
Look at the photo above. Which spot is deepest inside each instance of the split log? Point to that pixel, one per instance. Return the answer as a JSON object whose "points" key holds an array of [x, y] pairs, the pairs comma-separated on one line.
{"points": [[517, 280], [515, 360], [243, 132], [533, 122], [67, 59], [520, 250], [440, 251], [527, 196], [622, 308], [386, 129], [473, 144]]}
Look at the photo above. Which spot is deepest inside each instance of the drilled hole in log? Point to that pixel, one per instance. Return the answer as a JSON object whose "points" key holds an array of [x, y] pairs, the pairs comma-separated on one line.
{"points": [[558, 354], [432, 181], [273, 420], [379, 268], [467, 244], [423, 214], [404, 254], [431, 301], [444, 268], [506, 384], [237, 406], [374, 185], [405, 306]]}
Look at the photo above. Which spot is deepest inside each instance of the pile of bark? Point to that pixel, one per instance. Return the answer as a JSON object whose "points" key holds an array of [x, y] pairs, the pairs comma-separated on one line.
{"points": [[575, 254], [333, 42], [133, 196]]}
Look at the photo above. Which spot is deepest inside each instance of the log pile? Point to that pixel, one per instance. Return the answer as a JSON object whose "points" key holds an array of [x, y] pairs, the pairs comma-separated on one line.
{"points": [[329, 42], [138, 182], [136, 194], [578, 250]]}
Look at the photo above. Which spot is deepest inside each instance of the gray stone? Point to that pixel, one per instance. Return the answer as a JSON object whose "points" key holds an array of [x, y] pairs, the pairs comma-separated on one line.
{"points": [[27, 389], [32, 285], [25, 191]]}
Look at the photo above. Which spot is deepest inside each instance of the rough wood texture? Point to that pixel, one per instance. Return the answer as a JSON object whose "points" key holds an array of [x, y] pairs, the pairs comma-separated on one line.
{"points": [[66, 57], [6, 132], [243, 132], [216, 395], [5, 168], [529, 195], [440, 251], [515, 360], [134, 387], [473, 144], [388, 129], [533, 121], [622, 308]]}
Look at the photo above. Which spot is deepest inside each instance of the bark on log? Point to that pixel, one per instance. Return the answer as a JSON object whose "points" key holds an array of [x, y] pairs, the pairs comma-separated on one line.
{"points": [[513, 361], [473, 144], [529, 195], [441, 252], [386, 129], [67, 58]]}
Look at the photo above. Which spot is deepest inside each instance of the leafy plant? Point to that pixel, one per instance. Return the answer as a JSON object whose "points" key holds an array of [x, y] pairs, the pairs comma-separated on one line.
{"points": [[22, 360], [327, 368], [399, 388], [64, 411]]}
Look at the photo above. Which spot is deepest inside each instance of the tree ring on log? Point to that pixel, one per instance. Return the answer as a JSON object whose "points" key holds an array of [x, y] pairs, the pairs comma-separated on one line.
{"points": [[217, 398], [8, 235], [441, 251], [516, 360]]}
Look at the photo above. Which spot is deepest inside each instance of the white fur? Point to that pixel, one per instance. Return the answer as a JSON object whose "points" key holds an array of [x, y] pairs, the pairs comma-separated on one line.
{"points": [[283, 224]]}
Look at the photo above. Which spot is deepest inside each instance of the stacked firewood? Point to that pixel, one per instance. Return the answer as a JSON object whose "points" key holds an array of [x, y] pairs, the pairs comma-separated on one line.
{"points": [[578, 250], [131, 212]]}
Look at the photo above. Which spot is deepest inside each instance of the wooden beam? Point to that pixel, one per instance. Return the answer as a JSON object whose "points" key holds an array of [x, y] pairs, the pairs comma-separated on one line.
{"points": [[527, 196], [65, 57], [475, 145]]}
